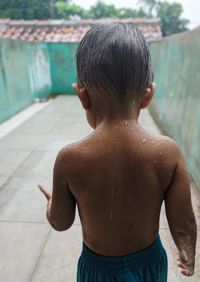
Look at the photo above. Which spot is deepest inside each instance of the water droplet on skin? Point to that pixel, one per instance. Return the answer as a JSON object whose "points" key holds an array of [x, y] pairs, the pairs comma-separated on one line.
{"points": [[160, 154], [134, 132], [126, 122], [152, 142], [144, 141]]}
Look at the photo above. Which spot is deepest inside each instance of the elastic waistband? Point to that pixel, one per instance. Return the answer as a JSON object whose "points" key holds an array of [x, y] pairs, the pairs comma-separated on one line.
{"points": [[121, 264]]}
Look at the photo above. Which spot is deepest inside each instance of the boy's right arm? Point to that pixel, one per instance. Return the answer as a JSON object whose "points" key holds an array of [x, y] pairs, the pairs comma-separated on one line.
{"points": [[180, 216]]}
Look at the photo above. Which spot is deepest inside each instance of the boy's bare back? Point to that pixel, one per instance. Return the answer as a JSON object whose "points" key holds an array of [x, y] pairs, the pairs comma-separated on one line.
{"points": [[119, 178]]}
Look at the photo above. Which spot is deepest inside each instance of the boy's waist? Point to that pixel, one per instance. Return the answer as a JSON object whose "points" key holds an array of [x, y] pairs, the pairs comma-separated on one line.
{"points": [[112, 264]]}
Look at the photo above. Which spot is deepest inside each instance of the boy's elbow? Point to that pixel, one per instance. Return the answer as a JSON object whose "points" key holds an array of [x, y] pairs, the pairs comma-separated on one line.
{"points": [[60, 225], [61, 228]]}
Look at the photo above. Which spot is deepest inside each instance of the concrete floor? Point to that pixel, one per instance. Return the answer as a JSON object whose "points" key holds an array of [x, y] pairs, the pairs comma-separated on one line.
{"points": [[29, 249]]}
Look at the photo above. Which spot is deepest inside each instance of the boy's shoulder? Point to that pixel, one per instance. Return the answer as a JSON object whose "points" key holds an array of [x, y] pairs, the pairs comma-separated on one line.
{"points": [[168, 148], [73, 153], [167, 143], [167, 156]]}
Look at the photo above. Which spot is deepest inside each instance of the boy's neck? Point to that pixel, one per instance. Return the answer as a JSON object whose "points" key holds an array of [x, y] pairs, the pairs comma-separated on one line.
{"points": [[117, 118], [108, 110]]}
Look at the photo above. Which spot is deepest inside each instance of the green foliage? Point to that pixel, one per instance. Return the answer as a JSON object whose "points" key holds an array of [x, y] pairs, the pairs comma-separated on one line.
{"points": [[150, 5], [65, 10], [37, 9], [131, 13], [170, 15], [25, 9], [102, 10]]}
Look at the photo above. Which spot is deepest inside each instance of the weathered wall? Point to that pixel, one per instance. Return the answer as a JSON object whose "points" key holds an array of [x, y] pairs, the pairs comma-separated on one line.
{"points": [[24, 75], [33, 70], [176, 105], [63, 68]]}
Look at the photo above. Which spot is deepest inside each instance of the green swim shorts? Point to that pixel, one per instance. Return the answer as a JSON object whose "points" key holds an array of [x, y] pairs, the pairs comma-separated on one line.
{"points": [[148, 265]]}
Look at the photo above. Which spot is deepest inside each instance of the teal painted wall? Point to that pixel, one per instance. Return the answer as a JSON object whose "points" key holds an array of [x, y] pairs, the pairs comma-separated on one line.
{"points": [[24, 75], [176, 105], [33, 70], [63, 67], [39, 71]]}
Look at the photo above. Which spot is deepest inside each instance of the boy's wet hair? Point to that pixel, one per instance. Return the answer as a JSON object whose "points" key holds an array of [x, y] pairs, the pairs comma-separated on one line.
{"points": [[114, 59]]}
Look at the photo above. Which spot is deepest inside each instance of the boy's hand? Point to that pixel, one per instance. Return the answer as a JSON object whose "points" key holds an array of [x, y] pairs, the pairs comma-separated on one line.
{"points": [[48, 197], [45, 192], [187, 268]]}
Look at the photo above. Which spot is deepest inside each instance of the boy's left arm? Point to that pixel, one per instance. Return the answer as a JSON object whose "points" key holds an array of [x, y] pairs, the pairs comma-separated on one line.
{"points": [[61, 205]]}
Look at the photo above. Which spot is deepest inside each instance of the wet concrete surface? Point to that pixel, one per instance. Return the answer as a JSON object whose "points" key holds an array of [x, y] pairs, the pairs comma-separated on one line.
{"points": [[30, 250]]}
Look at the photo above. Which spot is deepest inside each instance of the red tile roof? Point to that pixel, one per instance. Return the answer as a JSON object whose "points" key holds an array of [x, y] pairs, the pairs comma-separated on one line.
{"points": [[69, 31]]}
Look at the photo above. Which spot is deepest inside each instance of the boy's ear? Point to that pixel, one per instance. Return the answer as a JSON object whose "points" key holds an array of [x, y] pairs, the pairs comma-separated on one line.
{"points": [[148, 95], [83, 95]]}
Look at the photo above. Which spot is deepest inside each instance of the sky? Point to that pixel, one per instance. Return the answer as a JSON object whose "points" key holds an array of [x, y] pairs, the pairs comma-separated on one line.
{"points": [[191, 7]]}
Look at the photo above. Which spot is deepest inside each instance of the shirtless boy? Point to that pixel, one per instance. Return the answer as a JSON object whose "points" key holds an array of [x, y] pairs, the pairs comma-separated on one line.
{"points": [[120, 174]]}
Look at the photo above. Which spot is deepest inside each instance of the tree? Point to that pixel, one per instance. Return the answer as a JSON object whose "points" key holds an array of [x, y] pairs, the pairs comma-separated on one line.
{"points": [[52, 8], [25, 9], [66, 11], [102, 10], [170, 15], [150, 4], [131, 13]]}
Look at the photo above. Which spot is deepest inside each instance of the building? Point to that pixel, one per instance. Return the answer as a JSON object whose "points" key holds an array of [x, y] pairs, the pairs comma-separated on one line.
{"points": [[69, 31]]}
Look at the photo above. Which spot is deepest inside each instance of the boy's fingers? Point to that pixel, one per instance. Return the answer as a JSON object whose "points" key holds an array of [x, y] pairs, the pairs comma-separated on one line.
{"points": [[46, 193], [186, 273], [184, 269], [181, 266], [179, 260]]}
